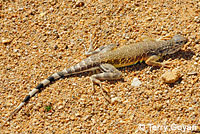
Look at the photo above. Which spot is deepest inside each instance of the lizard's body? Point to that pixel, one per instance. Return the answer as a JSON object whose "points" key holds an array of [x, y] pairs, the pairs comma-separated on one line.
{"points": [[108, 58]]}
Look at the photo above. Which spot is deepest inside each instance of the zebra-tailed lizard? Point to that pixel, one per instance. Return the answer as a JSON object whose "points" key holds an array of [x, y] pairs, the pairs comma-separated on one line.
{"points": [[108, 58]]}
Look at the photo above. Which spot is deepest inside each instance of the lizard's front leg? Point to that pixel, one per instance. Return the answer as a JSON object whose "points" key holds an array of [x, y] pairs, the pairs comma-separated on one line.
{"points": [[109, 73], [152, 61]]}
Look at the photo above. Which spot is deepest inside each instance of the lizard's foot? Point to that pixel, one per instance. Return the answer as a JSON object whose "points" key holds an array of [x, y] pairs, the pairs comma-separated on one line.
{"points": [[104, 92], [109, 73], [166, 64], [101, 49]]}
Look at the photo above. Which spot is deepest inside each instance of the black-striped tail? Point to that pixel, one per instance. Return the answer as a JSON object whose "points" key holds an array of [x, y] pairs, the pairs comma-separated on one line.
{"points": [[78, 68], [37, 89]]}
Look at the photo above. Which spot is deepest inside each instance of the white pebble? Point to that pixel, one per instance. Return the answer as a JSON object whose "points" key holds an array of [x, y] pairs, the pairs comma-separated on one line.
{"points": [[136, 82], [195, 63], [15, 50], [116, 99], [60, 107], [34, 47], [190, 108], [196, 59]]}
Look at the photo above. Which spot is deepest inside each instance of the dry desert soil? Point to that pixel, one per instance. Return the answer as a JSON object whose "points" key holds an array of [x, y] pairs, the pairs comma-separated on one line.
{"points": [[41, 37]]}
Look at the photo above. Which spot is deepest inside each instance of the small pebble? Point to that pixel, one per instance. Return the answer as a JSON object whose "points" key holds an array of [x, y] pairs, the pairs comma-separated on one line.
{"points": [[9, 104], [74, 84], [196, 59], [136, 82], [116, 99], [87, 117], [60, 107], [34, 47], [15, 50], [21, 8], [149, 19], [42, 14], [192, 73], [197, 41], [196, 64], [53, 2], [51, 56], [158, 92], [27, 43], [171, 76], [197, 19], [77, 114], [158, 107], [55, 47], [80, 4], [10, 96], [190, 108], [6, 41]]}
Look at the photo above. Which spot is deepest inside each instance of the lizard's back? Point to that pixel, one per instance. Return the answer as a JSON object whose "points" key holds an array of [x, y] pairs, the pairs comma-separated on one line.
{"points": [[131, 54]]}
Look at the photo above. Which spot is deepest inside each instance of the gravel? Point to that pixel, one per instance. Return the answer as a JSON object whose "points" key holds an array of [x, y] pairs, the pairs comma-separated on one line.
{"points": [[31, 31]]}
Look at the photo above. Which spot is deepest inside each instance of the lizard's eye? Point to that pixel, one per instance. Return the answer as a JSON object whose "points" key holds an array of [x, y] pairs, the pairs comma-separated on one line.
{"points": [[179, 42]]}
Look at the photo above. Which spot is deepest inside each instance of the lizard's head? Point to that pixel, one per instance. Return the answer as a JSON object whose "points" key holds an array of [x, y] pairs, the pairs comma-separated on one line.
{"points": [[177, 43], [179, 40]]}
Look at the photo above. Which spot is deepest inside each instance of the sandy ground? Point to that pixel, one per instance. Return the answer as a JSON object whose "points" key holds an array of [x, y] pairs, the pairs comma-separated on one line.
{"points": [[39, 38]]}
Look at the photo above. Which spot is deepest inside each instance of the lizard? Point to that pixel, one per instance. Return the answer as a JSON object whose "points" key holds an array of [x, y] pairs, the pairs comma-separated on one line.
{"points": [[109, 58]]}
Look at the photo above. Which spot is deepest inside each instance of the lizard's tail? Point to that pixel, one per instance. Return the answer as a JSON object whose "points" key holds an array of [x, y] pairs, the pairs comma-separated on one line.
{"points": [[78, 68], [16, 110], [37, 89]]}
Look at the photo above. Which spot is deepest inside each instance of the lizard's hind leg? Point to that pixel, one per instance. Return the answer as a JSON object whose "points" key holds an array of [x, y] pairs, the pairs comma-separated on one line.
{"points": [[101, 49], [109, 73]]}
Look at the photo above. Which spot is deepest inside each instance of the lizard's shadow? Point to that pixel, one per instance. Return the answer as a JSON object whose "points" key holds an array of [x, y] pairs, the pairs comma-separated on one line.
{"points": [[187, 55]]}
